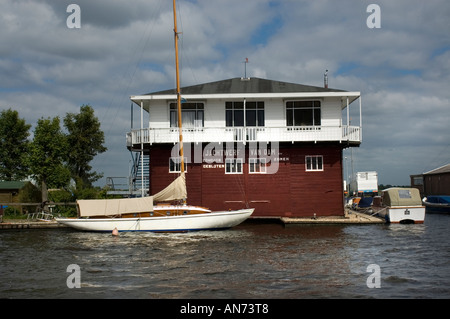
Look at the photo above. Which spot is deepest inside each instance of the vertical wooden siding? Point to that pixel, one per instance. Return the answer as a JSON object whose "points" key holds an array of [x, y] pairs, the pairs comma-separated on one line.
{"points": [[292, 191]]}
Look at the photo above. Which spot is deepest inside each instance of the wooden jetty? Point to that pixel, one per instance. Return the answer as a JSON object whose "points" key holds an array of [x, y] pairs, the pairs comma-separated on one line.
{"points": [[350, 217], [26, 224]]}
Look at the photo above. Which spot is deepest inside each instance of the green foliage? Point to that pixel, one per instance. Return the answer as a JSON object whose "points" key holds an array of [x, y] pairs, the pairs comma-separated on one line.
{"points": [[30, 194], [86, 141], [14, 144], [52, 157], [63, 196], [48, 152], [12, 212]]}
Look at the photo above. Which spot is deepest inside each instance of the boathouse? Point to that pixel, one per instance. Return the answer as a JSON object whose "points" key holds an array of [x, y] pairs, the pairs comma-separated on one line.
{"points": [[434, 182], [250, 142]]}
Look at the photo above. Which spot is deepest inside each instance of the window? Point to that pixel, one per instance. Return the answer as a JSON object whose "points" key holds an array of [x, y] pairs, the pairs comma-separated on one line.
{"points": [[175, 165], [404, 193], [234, 114], [303, 113], [314, 163], [192, 115], [257, 165], [418, 180], [233, 166]]}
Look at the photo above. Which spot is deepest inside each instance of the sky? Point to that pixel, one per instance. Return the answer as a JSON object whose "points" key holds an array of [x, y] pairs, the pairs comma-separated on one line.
{"points": [[124, 48]]}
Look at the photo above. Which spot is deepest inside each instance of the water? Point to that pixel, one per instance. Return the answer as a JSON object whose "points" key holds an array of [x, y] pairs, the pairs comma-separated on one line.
{"points": [[249, 261]]}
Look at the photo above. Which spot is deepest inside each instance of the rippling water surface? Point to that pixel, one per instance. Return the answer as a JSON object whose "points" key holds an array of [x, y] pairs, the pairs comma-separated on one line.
{"points": [[249, 261]]}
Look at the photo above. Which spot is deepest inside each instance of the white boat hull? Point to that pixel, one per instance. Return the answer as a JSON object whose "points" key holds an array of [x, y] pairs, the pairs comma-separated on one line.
{"points": [[414, 215], [181, 223]]}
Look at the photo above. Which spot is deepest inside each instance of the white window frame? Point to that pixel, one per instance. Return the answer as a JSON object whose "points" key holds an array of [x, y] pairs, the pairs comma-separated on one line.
{"points": [[314, 162], [234, 164], [257, 166], [177, 165], [287, 109]]}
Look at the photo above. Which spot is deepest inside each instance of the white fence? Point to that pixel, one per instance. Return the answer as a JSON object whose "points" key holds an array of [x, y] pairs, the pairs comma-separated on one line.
{"points": [[246, 134]]}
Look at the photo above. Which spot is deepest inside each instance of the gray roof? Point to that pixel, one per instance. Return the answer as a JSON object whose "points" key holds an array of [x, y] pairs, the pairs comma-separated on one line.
{"points": [[249, 85], [439, 170]]}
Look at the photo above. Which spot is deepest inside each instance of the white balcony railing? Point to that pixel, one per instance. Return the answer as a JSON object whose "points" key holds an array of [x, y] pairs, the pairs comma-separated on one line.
{"points": [[246, 134]]}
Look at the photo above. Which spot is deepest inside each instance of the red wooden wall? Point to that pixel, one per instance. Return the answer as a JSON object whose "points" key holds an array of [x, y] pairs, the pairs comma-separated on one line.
{"points": [[292, 191]]}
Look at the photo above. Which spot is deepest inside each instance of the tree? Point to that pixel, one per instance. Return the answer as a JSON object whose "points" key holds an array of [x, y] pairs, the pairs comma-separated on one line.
{"points": [[14, 133], [86, 141], [48, 150]]}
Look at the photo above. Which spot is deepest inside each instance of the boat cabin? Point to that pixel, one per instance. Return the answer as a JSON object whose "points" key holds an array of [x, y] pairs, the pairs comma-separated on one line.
{"points": [[249, 142]]}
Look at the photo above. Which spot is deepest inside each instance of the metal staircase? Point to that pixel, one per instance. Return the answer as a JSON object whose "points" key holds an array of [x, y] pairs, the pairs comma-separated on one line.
{"points": [[132, 185], [140, 168]]}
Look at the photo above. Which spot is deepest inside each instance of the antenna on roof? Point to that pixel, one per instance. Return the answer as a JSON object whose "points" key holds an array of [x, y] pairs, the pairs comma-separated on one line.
{"points": [[325, 79], [245, 70]]}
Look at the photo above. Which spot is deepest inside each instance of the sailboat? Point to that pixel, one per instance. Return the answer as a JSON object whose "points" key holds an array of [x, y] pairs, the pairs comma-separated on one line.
{"points": [[140, 214]]}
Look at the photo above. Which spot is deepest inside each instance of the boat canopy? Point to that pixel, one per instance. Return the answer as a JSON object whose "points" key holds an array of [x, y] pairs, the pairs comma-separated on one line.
{"points": [[114, 207], [402, 197]]}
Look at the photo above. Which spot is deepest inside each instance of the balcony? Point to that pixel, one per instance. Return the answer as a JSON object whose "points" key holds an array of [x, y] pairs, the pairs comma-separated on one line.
{"points": [[351, 134]]}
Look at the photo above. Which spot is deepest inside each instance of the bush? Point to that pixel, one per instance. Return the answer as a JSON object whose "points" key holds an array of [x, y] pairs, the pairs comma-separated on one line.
{"points": [[13, 213]]}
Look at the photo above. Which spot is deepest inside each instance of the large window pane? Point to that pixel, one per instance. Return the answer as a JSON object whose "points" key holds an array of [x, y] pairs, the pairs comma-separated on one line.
{"points": [[303, 113], [191, 114], [239, 117], [250, 117], [254, 113]]}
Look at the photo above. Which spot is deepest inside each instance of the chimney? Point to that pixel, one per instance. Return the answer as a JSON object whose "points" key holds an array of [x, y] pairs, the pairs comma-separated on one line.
{"points": [[325, 79]]}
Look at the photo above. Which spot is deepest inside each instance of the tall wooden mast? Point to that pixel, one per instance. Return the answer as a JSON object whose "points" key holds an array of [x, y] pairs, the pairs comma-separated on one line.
{"points": [[177, 67], [178, 86]]}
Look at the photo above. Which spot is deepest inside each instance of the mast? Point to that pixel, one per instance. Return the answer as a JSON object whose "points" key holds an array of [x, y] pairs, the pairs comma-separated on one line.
{"points": [[178, 90], [178, 85]]}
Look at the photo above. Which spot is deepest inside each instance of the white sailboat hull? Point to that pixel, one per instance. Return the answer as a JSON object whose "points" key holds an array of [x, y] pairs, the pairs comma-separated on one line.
{"points": [[182, 223]]}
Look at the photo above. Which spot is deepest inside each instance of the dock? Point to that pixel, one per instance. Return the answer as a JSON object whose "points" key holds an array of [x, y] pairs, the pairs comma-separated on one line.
{"points": [[26, 224], [350, 217]]}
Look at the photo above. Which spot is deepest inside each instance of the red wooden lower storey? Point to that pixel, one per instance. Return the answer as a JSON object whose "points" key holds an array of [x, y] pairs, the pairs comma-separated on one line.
{"points": [[282, 180]]}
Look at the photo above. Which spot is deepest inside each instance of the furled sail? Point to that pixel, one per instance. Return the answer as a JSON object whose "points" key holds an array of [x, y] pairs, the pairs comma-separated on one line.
{"points": [[114, 207], [175, 191]]}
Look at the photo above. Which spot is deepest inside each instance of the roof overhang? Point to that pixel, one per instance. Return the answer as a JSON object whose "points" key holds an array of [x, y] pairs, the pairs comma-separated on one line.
{"points": [[145, 100]]}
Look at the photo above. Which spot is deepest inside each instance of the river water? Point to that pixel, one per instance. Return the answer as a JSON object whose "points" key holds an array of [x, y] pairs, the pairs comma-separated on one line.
{"points": [[249, 261]]}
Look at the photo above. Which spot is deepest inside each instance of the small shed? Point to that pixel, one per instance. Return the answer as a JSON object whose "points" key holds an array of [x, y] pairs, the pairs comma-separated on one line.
{"points": [[9, 191], [437, 181]]}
